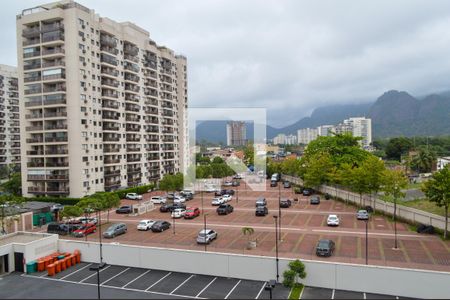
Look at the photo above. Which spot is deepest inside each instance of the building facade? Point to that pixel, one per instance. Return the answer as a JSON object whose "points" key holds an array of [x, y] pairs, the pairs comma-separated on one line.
{"points": [[326, 130], [104, 105], [360, 127], [9, 117], [306, 135], [236, 133]]}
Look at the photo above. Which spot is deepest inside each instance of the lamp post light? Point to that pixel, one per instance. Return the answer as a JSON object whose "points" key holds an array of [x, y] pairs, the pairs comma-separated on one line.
{"points": [[367, 241], [204, 227], [276, 246], [395, 224], [279, 212], [237, 195], [101, 265], [173, 218], [202, 200]]}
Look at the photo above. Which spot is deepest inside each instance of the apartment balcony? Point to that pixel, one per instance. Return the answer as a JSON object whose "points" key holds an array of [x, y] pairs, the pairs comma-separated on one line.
{"points": [[152, 147], [134, 181], [133, 138], [31, 41], [166, 104], [56, 151], [154, 156], [151, 65], [110, 116], [133, 159], [35, 140], [132, 88], [33, 91], [111, 126], [133, 149], [131, 67], [105, 58], [151, 92], [131, 97], [31, 54], [111, 185], [130, 49], [133, 171], [52, 27], [34, 128], [32, 79], [152, 111], [53, 51], [110, 104], [133, 128], [35, 164], [132, 107], [53, 63], [55, 114], [111, 149], [151, 83], [131, 77], [167, 88], [152, 129], [53, 37], [15, 144], [151, 101], [54, 88], [111, 161], [110, 94], [56, 127], [168, 138], [131, 58], [110, 71], [55, 139], [112, 173], [31, 32], [48, 177], [110, 50], [54, 77], [110, 138], [109, 41], [152, 138], [167, 113], [110, 82]]}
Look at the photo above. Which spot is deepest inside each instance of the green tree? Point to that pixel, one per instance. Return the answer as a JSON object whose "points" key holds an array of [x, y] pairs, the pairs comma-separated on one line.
{"points": [[248, 231], [374, 172], [171, 183], [359, 182], [396, 147], [317, 170], [393, 184], [7, 203], [437, 190], [109, 201], [217, 160], [423, 161], [249, 154], [71, 211], [290, 166], [13, 185], [296, 271]]}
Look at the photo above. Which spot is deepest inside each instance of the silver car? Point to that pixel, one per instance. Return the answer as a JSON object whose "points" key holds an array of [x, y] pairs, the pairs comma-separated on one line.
{"points": [[362, 215], [115, 230], [205, 236]]}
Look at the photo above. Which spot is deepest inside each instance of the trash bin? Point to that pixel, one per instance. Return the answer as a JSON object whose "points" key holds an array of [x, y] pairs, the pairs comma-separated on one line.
{"points": [[68, 261], [31, 267], [73, 258], [40, 265], [51, 270], [62, 262], [57, 266], [77, 253]]}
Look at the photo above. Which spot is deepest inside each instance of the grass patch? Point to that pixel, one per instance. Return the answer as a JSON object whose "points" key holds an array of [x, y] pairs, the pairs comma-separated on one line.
{"points": [[425, 205], [296, 291], [416, 185]]}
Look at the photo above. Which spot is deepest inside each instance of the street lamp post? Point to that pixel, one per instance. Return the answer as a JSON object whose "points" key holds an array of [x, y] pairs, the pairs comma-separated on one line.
{"points": [[367, 241], [100, 235], [276, 246], [395, 223], [202, 201], [173, 218], [204, 227], [279, 212], [101, 265], [237, 195]]}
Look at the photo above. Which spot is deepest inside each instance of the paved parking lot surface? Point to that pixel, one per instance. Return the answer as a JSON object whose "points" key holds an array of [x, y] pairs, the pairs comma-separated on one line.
{"points": [[157, 283], [323, 293], [302, 226]]}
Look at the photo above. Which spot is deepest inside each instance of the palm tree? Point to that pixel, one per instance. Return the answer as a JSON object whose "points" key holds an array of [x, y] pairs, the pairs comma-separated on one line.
{"points": [[423, 161], [248, 231]]}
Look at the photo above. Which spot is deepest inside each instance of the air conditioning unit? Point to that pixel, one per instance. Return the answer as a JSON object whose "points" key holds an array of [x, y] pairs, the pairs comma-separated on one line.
{"points": [[83, 26]]}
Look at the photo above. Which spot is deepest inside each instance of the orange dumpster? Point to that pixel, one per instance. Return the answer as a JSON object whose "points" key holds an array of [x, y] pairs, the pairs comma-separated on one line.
{"points": [[68, 261], [51, 270], [67, 254], [41, 265], [62, 262], [73, 259], [78, 255], [46, 262], [57, 267]]}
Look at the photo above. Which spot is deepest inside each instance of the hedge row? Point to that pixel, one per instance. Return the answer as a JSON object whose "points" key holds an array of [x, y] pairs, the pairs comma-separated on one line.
{"points": [[73, 201]]}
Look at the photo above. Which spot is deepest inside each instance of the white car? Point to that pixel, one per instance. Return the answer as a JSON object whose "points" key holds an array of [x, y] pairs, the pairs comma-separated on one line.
{"points": [[178, 213], [227, 197], [211, 189], [228, 183], [133, 196], [188, 192], [158, 200], [85, 220], [179, 199], [145, 224], [333, 220], [217, 201]]}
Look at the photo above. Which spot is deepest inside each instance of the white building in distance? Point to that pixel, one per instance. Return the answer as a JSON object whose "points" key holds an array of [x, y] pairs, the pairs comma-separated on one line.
{"points": [[306, 135]]}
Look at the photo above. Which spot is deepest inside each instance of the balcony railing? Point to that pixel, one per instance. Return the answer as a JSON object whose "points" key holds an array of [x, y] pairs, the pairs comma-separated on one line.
{"points": [[110, 104], [52, 27], [55, 114], [111, 72], [56, 139], [111, 161], [31, 54], [54, 77], [112, 173], [53, 37], [54, 63], [51, 51], [110, 94], [57, 164], [109, 41]]}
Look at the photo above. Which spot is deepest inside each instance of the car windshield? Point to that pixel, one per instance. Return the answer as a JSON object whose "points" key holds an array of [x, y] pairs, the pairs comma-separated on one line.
{"points": [[143, 223], [323, 244], [362, 212], [332, 217], [189, 210]]}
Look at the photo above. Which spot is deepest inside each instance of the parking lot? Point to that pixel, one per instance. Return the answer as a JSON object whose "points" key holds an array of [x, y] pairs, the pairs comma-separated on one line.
{"points": [[161, 284], [322, 293], [302, 225]]}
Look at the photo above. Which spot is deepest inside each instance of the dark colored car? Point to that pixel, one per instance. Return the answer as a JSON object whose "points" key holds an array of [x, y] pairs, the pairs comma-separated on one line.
{"points": [[285, 203], [236, 183], [85, 230], [126, 209], [325, 248], [224, 192], [160, 226], [171, 207], [62, 229], [273, 183], [314, 200], [187, 196], [224, 209], [261, 211], [115, 230], [307, 192], [287, 185]]}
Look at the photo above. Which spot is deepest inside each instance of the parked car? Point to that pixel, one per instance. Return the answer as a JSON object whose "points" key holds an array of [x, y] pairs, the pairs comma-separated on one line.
{"points": [[192, 212], [224, 192], [227, 198], [285, 203], [307, 192], [85, 220], [211, 188], [325, 247], [188, 196], [229, 192], [273, 183], [179, 199], [261, 201], [276, 177], [57, 207], [115, 230], [225, 209], [133, 196], [362, 214], [236, 183], [314, 200], [160, 226], [228, 183], [185, 192], [261, 211], [62, 229], [217, 201], [178, 213], [287, 185], [333, 220], [145, 224], [158, 200], [171, 207], [85, 230], [125, 209], [206, 236], [237, 176]]}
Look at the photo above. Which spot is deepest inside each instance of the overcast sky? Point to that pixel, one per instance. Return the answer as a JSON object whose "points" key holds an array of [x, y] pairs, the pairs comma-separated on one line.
{"points": [[287, 56]]}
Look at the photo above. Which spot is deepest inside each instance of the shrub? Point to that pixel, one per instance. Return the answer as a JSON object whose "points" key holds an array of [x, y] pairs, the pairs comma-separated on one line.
{"points": [[63, 201]]}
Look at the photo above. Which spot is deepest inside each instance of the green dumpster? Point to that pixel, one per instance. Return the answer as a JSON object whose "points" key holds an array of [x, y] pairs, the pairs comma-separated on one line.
{"points": [[31, 267]]}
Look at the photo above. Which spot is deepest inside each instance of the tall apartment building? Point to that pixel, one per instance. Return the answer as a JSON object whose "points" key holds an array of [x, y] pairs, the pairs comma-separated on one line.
{"points": [[360, 127], [306, 135], [9, 117], [282, 139], [325, 130], [105, 106], [236, 133]]}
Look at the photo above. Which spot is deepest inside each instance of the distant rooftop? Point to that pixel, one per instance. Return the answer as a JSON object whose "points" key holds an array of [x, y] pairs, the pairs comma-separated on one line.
{"points": [[22, 238]]}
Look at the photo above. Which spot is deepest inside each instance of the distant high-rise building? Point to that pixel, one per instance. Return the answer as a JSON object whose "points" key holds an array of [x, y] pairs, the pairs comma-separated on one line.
{"points": [[9, 117], [325, 130], [104, 105], [306, 135], [360, 127], [236, 133]]}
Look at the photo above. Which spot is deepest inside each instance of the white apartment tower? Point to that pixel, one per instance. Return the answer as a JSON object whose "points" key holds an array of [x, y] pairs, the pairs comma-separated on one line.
{"points": [[104, 105], [9, 117], [306, 135], [236, 133], [360, 127]]}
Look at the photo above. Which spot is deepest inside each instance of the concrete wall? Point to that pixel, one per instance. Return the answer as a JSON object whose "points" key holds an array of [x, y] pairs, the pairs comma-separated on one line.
{"points": [[407, 213], [401, 282]]}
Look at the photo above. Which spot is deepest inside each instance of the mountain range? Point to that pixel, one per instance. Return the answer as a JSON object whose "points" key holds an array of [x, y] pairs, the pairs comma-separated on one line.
{"points": [[395, 113]]}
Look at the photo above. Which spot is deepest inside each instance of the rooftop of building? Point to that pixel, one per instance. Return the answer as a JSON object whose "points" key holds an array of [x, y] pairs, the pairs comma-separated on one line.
{"points": [[22, 238]]}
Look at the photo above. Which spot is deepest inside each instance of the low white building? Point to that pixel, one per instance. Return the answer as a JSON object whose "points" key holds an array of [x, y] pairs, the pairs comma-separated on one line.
{"points": [[442, 162]]}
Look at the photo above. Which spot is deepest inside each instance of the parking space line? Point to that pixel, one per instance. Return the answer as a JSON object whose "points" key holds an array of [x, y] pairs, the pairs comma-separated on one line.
{"points": [[206, 287], [76, 271], [226, 297], [332, 294], [260, 291], [43, 275], [158, 281], [82, 281], [181, 284], [115, 276], [364, 295], [301, 293], [135, 279]]}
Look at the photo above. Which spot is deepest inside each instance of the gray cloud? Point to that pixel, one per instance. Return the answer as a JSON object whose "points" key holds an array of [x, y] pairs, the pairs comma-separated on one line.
{"points": [[288, 56]]}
